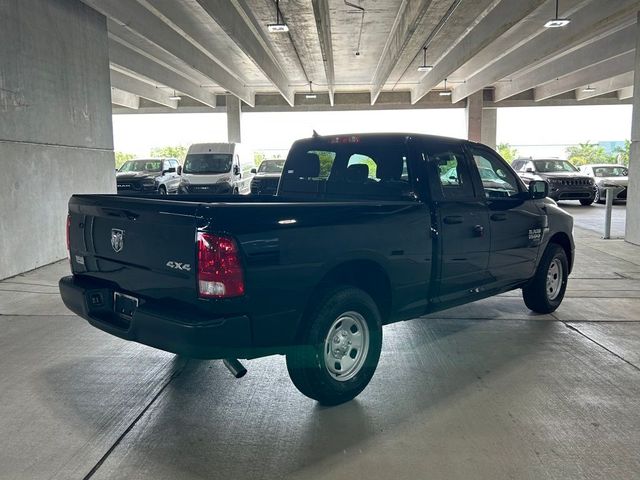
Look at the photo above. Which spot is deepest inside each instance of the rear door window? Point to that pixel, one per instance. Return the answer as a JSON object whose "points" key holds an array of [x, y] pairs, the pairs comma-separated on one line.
{"points": [[449, 172]]}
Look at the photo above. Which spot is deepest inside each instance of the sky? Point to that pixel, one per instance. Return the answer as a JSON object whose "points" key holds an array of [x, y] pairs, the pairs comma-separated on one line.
{"points": [[535, 131]]}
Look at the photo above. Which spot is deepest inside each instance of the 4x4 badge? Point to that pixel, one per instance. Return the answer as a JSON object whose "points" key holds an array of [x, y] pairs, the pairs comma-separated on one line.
{"points": [[117, 239]]}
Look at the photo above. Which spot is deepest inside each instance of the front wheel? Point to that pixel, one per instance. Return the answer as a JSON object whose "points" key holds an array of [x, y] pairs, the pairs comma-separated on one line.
{"points": [[340, 347], [586, 202], [162, 190], [546, 290], [598, 198]]}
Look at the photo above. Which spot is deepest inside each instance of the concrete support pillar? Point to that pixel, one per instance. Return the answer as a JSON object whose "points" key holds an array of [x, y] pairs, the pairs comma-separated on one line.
{"points": [[56, 136], [474, 116], [632, 233], [489, 126], [234, 113]]}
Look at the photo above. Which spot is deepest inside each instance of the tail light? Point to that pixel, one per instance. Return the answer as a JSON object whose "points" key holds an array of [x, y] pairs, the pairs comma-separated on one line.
{"points": [[219, 268], [68, 228]]}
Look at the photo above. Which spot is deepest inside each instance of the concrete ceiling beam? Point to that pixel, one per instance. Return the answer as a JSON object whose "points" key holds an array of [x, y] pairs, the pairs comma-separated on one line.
{"points": [[625, 93], [151, 50], [323, 24], [495, 23], [123, 56], [612, 84], [619, 42], [135, 17], [592, 19], [142, 89], [596, 73], [124, 99], [237, 21], [409, 17]]}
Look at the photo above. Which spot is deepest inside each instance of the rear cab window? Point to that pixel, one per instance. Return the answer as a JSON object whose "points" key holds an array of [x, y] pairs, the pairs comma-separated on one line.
{"points": [[349, 167]]}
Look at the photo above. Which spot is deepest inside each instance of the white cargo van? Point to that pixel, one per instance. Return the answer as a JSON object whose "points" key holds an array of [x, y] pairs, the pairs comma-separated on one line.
{"points": [[219, 168]]}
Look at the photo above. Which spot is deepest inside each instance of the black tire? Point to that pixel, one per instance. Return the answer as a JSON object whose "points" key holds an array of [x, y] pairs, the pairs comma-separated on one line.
{"points": [[538, 295], [598, 198], [586, 202], [162, 190], [306, 363]]}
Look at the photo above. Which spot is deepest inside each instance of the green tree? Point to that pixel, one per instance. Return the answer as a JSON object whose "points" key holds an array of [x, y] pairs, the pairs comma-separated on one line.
{"points": [[178, 152], [585, 153], [258, 158], [507, 152], [122, 157], [622, 153]]}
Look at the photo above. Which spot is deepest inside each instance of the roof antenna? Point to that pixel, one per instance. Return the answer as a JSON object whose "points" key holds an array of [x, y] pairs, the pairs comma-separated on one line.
{"points": [[315, 134]]}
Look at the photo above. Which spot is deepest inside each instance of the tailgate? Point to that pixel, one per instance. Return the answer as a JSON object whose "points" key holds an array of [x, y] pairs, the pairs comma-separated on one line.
{"points": [[143, 246]]}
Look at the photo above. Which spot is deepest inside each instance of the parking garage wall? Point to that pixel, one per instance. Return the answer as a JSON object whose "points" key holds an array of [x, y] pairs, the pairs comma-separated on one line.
{"points": [[56, 135]]}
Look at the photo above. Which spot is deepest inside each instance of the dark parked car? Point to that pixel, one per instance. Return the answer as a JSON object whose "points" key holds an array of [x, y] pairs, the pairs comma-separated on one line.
{"points": [[565, 181], [157, 176], [265, 182], [606, 174], [362, 232]]}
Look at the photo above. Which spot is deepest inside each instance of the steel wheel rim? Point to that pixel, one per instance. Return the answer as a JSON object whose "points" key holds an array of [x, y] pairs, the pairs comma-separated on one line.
{"points": [[346, 346], [554, 279]]}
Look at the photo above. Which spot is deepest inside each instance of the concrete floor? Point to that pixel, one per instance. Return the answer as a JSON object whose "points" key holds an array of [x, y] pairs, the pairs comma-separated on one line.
{"points": [[487, 390]]}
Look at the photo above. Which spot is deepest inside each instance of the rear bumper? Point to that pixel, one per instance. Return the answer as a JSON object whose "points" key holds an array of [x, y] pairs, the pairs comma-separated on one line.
{"points": [[228, 337]]}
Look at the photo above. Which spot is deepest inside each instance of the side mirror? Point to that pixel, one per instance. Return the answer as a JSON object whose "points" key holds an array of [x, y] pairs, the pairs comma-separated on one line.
{"points": [[538, 189], [529, 170], [236, 170], [253, 170], [179, 170], [169, 170]]}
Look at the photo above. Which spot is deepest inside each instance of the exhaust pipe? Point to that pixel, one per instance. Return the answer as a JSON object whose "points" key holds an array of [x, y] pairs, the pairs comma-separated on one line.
{"points": [[235, 367]]}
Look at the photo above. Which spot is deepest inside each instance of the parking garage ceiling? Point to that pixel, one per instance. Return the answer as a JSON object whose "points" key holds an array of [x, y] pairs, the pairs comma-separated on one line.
{"points": [[360, 53]]}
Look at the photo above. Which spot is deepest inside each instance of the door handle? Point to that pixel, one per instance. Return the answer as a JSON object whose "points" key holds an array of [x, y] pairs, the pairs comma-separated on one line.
{"points": [[499, 217], [453, 219], [478, 231]]}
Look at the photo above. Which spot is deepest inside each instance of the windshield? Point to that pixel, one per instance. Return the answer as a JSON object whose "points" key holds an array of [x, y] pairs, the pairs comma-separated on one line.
{"points": [[211, 163], [141, 166], [271, 166], [613, 171], [557, 166]]}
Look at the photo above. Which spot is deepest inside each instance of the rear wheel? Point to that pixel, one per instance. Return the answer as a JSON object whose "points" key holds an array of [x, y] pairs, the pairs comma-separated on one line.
{"points": [[546, 290], [341, 347]]}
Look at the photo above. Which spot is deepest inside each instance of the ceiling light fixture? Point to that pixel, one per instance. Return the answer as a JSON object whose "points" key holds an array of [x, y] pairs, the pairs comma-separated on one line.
{"points": [[424, 67], [279, 26], [310, 94], [557, 22], [446, 92], [588, 89], [175, 97]]}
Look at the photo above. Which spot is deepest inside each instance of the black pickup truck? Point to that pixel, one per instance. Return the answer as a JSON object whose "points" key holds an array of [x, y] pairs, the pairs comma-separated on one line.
{"points": [[365, 230]]}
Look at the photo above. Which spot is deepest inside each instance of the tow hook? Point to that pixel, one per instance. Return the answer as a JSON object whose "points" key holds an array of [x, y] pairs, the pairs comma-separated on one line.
{"points": [[235, 367]]}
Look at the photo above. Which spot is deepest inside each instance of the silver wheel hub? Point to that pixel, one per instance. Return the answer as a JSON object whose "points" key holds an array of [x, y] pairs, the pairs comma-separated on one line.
{"points": [[346, 346], [554, 279]]}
